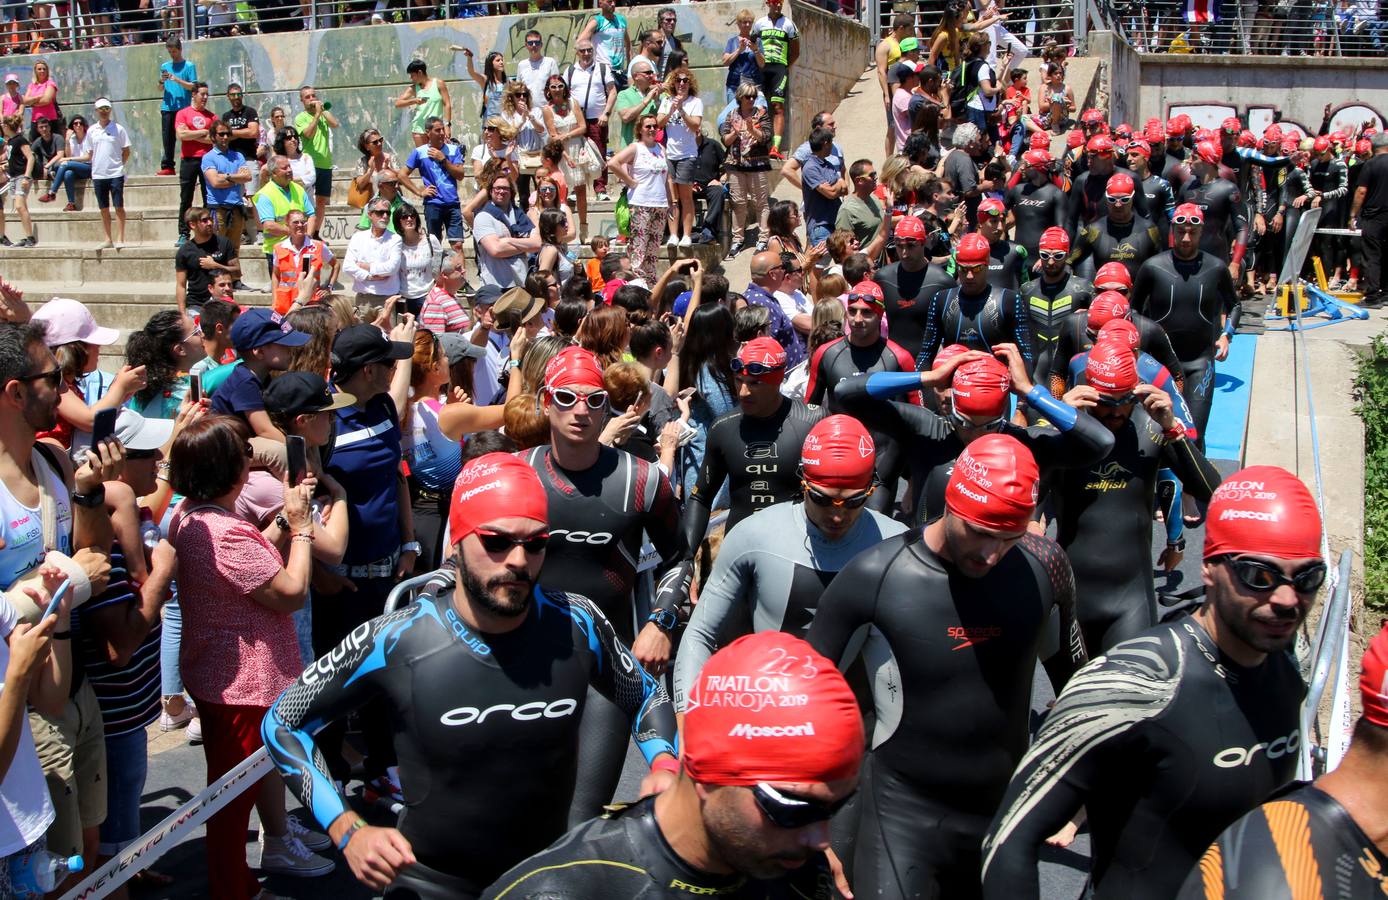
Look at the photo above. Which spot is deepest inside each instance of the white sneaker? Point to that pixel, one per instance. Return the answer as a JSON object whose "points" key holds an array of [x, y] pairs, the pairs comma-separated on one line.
{"points": [[685, 241], [171, 723], [195, 730], [672, 241], [313, 840], [288, 856]]}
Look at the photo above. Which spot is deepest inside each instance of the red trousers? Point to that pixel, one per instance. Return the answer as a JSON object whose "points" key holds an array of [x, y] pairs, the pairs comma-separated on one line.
{"points": [[229, 735]]}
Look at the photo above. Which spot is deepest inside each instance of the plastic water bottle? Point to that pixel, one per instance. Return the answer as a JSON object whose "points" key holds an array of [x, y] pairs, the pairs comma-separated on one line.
{"points": [[34, 874]]}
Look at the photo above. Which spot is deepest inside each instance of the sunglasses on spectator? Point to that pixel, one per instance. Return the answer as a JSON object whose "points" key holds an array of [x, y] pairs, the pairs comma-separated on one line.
{"points": [[532, 43], [1119, 199], [1187, 220], [567, 399], [585, 49], [1261, 577], [786, 811], [377, 142], [682, 80], [53, 377], [236, 96], [754, 369], [819, 498], [498, 543], [1053, 255], [649, 127], [490, 128], [379, 212], [549, 189]]}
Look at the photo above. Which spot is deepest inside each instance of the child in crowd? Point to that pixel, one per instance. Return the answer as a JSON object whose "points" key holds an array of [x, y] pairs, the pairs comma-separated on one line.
{"points": [[593, 267], [262, 339], [215, 323]]}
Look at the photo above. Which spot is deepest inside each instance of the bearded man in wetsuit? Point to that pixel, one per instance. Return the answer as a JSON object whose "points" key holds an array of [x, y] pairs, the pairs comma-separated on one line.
{"points": [[1190, 294], [1053, 299], [1322, 841], [1174, 734], [1223, 211], [1160, 196], [756, 447], [1121, 236], [487, 675], [958, 612], [909, 284], [1035, 204], [1086, 202], [771, 747], [1009, 264], [975, 314]]}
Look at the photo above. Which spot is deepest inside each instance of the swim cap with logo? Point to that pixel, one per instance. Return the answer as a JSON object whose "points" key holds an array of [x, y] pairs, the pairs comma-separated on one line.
{"points": [[766, 351], [1105, 308], [1054, 238], [869, 292], [767, 707], [1264, 510], [993, 484], [947, 352], [838, 453], [973, 250], [1111, 369], [1189, 211], [495, 486], [1121, 332], [910, 228], [1120, 183], [981, 387], [1111, 273], [1208, 152], [1142, 146], [573, 367], [1373, 680]]}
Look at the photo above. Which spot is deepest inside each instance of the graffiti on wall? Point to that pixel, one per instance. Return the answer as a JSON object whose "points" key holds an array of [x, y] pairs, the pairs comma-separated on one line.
{"points": [[1348, 117]]}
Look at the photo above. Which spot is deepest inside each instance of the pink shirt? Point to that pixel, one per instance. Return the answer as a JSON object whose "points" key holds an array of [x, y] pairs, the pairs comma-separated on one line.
{"points": [[235, 651], [10, 106], [50, 111]]}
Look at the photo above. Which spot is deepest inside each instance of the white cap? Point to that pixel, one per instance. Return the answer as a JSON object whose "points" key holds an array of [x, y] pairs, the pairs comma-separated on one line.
{"points": [[135, 432], [102, 101]]}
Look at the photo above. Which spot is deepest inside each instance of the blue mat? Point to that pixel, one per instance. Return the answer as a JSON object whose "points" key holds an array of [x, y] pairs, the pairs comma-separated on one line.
{"points": [[1229, 412]]}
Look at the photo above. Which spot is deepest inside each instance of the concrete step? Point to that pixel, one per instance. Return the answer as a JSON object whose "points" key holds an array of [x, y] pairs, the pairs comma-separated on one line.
{"points": [[154, 191]]}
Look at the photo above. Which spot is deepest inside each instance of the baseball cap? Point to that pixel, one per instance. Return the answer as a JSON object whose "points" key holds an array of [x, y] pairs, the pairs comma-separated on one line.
{"points": [[259, 326], [457, 348], [102, 102], [69, 320], [303, 392], [1264, 510], [908, 44], [360, 345], [136, 432], [486, 295], [905, 70], [11, 76]]}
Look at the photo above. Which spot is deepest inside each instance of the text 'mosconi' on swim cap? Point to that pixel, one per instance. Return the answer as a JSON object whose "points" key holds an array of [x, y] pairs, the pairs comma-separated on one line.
{"points": [[1373, 680], [767, 707], [993, 484], [1263, 510], [491, 487], [838, 453], [981, 387], [1111, 368]]}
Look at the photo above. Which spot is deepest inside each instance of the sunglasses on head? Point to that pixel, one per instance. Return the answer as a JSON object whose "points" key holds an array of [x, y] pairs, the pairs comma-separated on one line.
{"points": [[1119, 199], [754, 369], [1053, 255], [496, 542], [1187, 220], [1110, 400], [1259, 576], [786, 811], [566, 399], [819, 498]]}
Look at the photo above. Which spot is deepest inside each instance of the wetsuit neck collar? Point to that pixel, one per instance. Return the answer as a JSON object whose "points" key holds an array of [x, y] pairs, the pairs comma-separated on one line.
{"points": [[660, 860]]}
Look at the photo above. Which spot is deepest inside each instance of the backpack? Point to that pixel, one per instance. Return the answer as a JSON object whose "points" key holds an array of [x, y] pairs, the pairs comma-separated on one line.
{"points": [[966, 87], [604, 79]]}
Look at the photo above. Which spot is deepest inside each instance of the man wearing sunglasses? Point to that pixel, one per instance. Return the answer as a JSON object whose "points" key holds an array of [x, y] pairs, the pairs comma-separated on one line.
{"points": [[1223, 211], [536, 68], [1086, 201], [1160, 196], [975, 314], [768, 277], [1009, 264], [1120, 235], [958, 612], [1053, 299], [768, 760], [488, 674], [1178, 732], [909, 284], [773, 567], [1035, 203], [601, 501]]}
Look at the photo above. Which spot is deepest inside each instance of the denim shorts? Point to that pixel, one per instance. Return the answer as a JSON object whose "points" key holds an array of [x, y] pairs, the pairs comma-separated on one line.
{"points": [[682, 170], [108, 189], [440, 219], [322, 182]]}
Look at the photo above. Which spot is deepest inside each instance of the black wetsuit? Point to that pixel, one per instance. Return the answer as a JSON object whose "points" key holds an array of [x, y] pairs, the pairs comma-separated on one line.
{"points": [[1303, 845], [1164, 741], [978, 322], [1051, 306], [951, 660], [908, 295], [1331, 178], [1103, 517], [838, 360], [1187, 298], [1075, 339], [1174, 162], [1034, 209], [759, 457], [1009, 265], [622, 855], [1161, 202], [1131, 243], [1086, 201], [486, 727], [1225, 233]]}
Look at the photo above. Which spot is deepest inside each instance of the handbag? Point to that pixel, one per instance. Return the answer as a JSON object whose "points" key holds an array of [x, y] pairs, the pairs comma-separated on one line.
{"points": [[591, 161], [622, 214], [357, 197]]}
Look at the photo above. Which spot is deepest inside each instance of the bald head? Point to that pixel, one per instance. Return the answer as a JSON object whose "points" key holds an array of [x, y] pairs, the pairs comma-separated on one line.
{"points": [[767, 270]]}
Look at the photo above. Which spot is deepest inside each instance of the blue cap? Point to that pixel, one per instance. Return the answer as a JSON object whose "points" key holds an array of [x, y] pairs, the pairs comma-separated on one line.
{"points": [[259, 326], [682, 303]]}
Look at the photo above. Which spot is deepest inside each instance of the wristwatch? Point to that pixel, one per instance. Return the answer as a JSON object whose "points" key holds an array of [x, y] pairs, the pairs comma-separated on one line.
{"points": [[665, 619], [510, 365], [91, 500], [411, 547], [282, 523]]}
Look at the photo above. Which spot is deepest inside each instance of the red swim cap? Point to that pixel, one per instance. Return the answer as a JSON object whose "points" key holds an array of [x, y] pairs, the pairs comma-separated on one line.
{"points": [[981, 387], [1120, 183], [1173, 128], [1092, 117], [1123, 129], [1209, 152], [1363, 147], [993, 484], [1206, 134], [1055, 238], [1273, 134], [1111, 368], [1247, 139], [1290, 145], [1074, 138], [1373, 680], [1037, 159], [838, 453], [1106, 307], [1321, 144], [1111, 273], [1039, 141], [973, 249], [1140, 145], [1231, 125], [1154, 131], [1264, 510], [992, 206], [1122, 332], [910, 228], [495, 486], [767, 707], [869, 292], [1191, 211], [573, 367], [947, 353], [1100, 143], [1183, 122], [764, 350]]}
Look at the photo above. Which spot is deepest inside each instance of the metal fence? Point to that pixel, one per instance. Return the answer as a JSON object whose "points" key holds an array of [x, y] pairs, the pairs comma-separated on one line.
{"points": [[1261, 27], [1031, 24]]}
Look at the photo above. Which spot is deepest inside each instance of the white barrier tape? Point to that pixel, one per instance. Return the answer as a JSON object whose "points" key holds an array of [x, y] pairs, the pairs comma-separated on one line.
{"points": [[165, 836]]}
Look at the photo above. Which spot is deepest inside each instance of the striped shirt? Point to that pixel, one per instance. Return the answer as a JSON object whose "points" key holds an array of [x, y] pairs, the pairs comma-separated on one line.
{"points": [[127, 695], [441, 312]]}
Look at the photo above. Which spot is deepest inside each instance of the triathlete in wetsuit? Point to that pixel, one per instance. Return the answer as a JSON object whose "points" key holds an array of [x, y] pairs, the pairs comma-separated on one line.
{"points": [[1104, 510], [601, 501], [1036, 204], [1311, 842], [756, 447], [862, 349], [1080, 332], [1161, 197], [1009, 264], [771, 746], [1149, 371], [1171, 736], [1120, 236], [909, 285], [1053, 299], [1086, 201], [957, 614], [1177, 130], [486, 681], [1190, 294], [1327, 187], [975, 313], [1225, 214]]}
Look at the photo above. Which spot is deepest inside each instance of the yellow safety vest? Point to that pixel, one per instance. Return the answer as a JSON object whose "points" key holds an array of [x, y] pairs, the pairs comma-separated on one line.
{"points": [[297, 199]]}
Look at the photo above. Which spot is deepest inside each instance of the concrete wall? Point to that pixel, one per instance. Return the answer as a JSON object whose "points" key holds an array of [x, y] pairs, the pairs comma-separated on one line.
{"points": [[361, 70]]}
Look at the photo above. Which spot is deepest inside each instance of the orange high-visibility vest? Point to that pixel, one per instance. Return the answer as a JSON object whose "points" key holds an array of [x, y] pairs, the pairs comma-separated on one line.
{"points": [[288, 269]]}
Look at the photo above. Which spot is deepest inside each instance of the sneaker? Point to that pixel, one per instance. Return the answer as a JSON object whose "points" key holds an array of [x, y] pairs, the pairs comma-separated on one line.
{"points": [[601, 196], [28, 242], [313, 840], [734, 250], [288, 856], [71, 207], [761, 246], [672, 241], [170, 723], [685, 241], [107, 245], [166, 171], [48, 198], [5, 241], [194, 731]]}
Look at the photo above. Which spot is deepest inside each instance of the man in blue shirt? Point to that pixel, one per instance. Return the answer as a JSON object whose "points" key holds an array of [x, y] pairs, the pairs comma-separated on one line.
{"points": [[177, 77], [822, 184], [263, 340], [440, 164], [226, 173]]}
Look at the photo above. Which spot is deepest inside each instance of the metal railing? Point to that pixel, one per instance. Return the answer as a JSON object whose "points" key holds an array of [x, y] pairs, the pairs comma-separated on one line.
{"points": [[1031, 24], [1259, 27]]}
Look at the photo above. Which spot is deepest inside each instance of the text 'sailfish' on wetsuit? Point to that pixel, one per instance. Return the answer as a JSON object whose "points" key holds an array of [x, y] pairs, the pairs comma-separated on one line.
{"points": [[1050, 305], [773, 566], [1188, 298], [622, 855], [1034, 209], [1226, 217], [950, 660], [1131, 243], [596, 518], [907, 295], [1301, 846], [758, 457], [995, 316], [1104, 522], [1164, 741], [1075, 339], [479, 719]]}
